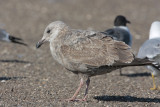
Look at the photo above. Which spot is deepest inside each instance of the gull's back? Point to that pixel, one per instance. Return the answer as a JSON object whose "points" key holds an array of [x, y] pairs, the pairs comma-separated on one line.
{"points": [[150, 49], [120, 34]]}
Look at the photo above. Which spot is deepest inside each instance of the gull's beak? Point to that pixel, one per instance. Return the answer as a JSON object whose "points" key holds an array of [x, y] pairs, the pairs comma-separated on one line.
{"points": [[38, 45], [128, 22], [16, 40]]}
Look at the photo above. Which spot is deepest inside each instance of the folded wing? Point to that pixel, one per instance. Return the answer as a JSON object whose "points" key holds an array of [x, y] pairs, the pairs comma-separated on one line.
{"points": [[93, 51]]}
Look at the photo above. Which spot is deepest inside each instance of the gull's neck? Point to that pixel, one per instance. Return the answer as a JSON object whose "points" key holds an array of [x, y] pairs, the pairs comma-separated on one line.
{"points": [[122, 27]]}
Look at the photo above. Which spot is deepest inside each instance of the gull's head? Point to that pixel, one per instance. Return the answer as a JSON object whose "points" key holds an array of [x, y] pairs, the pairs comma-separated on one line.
{"points": [[121, 21], [51, 32], [155, 30]]}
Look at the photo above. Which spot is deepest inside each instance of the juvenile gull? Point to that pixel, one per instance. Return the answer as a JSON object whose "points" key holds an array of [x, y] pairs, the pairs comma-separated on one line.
{"points": [[4, 36], [87, 53], [120, 31], [151, 50]]}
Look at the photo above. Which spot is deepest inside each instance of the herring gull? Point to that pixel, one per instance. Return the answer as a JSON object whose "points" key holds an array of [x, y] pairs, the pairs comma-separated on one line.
{"points": [[87, 53]]}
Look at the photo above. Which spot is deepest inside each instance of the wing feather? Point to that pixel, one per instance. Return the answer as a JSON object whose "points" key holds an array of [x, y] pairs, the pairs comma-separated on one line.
{"points": [[97, 52]]}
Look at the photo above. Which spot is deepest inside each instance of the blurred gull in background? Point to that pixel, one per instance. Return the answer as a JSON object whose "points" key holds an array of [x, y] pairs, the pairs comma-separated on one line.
{"points": [[151, 50], [5, 36], [120, 31]]}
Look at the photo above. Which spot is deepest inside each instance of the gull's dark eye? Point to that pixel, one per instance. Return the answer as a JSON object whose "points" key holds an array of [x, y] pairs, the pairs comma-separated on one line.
{"points": [[48, 31]]}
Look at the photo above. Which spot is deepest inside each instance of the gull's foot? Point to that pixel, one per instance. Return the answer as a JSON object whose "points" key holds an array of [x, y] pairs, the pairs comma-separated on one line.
{"points": [[154, 88], [82, 99]]}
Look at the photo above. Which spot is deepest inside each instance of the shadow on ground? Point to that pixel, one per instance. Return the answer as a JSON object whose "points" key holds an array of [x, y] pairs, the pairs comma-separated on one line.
{"points": [[137, 74], [10, 78], [126, 99], [14, 61]]}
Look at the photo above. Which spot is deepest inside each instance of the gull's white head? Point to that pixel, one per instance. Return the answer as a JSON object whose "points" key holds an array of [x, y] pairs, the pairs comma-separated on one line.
{"points": [[155, 30], [51, 32]]}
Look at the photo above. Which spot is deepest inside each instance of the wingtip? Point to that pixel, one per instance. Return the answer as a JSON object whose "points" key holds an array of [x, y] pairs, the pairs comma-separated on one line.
{"points": [[17, 40], [11, 37]]}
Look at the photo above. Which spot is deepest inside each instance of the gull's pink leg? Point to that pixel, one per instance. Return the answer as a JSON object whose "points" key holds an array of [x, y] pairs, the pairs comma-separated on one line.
{"points": [[73, 98], [86, 92]]}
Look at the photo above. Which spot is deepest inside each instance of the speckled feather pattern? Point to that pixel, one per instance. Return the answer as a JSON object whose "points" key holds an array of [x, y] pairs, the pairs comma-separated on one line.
{"points": [[77, 50]]}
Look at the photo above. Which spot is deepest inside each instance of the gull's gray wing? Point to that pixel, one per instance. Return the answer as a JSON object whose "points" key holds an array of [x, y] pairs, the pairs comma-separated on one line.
{"points": [[150, 49], [120, 35]]}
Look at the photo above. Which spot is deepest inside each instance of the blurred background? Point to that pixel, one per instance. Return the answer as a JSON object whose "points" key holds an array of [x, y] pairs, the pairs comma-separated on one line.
{"points": [[39, 81], [28, 19]]}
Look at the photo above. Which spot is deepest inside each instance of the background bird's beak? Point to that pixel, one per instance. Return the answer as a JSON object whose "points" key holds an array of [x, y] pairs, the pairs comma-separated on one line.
{"points": [[38, 45], [128, 22]]}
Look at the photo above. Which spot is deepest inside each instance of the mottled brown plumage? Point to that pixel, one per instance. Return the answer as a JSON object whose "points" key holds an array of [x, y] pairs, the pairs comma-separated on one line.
{"points": [[86, 53]]}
